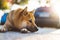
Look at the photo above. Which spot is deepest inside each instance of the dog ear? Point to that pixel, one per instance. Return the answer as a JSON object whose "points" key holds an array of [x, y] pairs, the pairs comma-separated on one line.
{"points": [[24, 12], [33, 11], [25, 9]]}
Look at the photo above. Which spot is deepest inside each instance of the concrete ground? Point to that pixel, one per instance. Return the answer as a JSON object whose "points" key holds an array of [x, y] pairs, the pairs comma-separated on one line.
{"points": [[16, 35]]}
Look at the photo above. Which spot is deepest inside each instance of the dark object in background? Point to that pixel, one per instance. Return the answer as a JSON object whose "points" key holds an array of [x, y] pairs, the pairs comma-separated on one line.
{"points": [[45, 17], [3, 19]]}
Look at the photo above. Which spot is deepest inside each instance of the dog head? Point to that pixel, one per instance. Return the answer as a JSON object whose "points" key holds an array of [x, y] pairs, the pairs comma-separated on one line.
{"points": [[25, 21]]}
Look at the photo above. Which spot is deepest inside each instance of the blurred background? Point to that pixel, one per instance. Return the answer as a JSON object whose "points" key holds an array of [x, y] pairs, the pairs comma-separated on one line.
{"points": [[46, 11], [47, 14]]}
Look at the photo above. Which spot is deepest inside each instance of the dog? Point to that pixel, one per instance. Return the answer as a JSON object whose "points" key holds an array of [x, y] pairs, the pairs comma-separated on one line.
{"points": [[20, 20]]}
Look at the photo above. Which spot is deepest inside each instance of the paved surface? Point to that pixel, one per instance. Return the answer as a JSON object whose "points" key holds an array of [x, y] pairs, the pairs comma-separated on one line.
{"points": [[15, 35], [55, 35]]}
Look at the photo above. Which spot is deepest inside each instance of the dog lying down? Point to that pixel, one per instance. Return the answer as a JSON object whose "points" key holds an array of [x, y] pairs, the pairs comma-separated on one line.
{"points": [[20, 20]]}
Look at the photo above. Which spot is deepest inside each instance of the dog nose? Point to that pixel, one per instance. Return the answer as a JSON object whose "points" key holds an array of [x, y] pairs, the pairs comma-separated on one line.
{"points": [[36, 28]]}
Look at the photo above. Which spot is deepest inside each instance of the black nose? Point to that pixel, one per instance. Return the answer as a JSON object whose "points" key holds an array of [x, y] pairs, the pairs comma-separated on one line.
{"points": [[33, 29], [36, 28]]}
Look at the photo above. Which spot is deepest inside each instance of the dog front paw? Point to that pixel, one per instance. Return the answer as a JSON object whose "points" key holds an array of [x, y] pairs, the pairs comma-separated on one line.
{"points": [[2, 29], [24, 30]]}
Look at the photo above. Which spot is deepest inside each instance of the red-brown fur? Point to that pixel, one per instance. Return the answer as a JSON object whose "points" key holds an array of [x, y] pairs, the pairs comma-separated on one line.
{"points": [[20, 19]]}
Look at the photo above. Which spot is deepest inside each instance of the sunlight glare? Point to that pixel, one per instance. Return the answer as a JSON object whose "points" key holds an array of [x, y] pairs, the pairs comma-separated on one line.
{"points": [[56, 6]]}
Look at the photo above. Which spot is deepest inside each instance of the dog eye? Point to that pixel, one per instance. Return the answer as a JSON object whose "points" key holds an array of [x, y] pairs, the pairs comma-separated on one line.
{"points": [[30, 20]]}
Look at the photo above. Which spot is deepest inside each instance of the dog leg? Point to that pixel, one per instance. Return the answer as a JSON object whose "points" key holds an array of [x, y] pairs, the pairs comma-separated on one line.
{"points": [[5, 27]]}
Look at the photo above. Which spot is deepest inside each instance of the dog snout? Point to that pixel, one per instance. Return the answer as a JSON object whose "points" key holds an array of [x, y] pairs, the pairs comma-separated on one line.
{"points": [[33, 29], [36, 28]]}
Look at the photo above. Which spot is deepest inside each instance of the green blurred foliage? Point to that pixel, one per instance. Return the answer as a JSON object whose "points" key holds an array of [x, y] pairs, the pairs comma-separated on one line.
{"points": [[24, 2], [21, 2], [3, 3]]}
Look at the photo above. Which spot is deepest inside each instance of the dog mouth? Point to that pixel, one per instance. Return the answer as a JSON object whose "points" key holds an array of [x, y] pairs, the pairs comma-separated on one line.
{"points": [[29, 29], [32, 29]]}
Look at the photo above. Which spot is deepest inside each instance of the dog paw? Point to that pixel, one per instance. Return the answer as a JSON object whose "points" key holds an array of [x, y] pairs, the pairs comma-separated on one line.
{"points": [[24, 30], [3, 30]]}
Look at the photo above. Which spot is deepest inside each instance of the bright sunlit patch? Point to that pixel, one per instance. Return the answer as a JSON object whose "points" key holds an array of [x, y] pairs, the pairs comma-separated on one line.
{"points": [[33, 4], [56, 6]]}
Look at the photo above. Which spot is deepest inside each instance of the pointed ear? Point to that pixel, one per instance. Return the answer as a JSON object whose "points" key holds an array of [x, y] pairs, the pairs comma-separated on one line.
{"points": [[33, 11], [24, 12], [25, 9]]}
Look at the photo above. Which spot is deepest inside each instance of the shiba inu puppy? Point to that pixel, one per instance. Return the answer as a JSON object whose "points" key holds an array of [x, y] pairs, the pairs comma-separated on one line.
{"points": [[20, 20]]}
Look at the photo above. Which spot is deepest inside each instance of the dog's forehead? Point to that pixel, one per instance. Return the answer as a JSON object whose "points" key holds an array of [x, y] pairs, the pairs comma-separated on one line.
{"points": [[31, 16]]}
